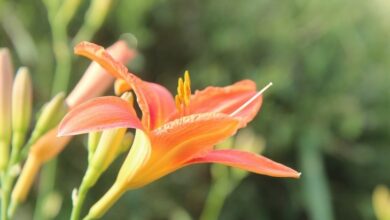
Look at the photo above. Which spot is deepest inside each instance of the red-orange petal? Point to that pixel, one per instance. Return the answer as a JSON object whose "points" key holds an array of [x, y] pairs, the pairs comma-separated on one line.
{"points": [[101, 56], [177, 141], [227, 100], [246, 161], [189, 135], [95, 81], [99, 114], [154, 100]]}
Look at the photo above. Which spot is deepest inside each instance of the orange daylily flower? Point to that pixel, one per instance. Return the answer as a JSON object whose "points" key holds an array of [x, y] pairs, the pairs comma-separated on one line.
{"points": [[180, 132], [94, 82], [172, 133]]}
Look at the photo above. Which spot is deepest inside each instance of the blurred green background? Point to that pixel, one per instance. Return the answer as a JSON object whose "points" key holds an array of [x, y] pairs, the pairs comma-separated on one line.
{"points": [[327, 115]]}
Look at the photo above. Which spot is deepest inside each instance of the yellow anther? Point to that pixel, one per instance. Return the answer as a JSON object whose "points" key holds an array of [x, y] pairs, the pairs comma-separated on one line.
{"points": [[187, 79], [187, 88], [180, 88], [182, 99]]}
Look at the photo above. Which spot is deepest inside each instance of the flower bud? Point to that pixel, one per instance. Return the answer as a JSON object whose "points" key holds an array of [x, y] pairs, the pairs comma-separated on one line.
{"points": [[46, 148], [93, 141], [24, 183], [109, 147], [51, 114], [6, 74], [21, 106], [109, 143], [381, 202], [126, 142]]}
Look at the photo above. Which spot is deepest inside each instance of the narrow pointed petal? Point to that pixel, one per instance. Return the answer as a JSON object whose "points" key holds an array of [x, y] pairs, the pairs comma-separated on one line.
{"points": [[246, 161], [227, 100], [99, 114], [101, 56], [179, 140]]}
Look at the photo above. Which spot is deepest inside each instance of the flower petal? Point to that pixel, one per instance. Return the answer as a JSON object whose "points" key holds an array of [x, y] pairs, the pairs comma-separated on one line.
{"points": [[246, 161], [179, 140], [190, 134], [227, 100], [99, 114], [100, 55], [155, 101], [95, 75]]}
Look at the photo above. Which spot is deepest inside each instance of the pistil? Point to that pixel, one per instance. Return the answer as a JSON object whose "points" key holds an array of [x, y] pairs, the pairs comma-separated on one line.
{"points": [[258, 94]]}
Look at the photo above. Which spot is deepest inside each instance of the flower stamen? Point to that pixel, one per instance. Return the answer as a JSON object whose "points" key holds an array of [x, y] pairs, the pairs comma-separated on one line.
{"points": [[259, 93], [182, 99]]}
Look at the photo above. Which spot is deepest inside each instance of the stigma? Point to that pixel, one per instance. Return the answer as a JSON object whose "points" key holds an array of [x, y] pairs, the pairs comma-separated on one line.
{"points": [[253, 98]]}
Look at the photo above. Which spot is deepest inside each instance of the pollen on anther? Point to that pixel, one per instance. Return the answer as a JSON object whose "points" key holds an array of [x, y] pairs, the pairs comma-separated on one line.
{"points": [[182, 99], [187, 88]]}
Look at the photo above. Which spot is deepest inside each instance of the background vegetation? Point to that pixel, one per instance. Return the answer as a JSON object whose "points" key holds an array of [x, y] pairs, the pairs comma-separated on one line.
{"points": [[327, 114]]}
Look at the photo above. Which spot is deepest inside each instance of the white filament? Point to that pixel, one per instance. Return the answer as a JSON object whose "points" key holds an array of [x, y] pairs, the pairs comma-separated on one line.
{"points": [[251, 99]]}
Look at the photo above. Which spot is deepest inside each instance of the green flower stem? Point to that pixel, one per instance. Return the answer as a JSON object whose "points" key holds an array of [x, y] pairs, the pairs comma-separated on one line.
{"points": [[219, 191], [89, 180], [62, 55], [106, 202], [18, 140], [93, 20], [225, 180], [4, 154], [8, 177], [5, 191], [79, 201], [46, 186], [60, 14], [59, 18], [315, 183]]}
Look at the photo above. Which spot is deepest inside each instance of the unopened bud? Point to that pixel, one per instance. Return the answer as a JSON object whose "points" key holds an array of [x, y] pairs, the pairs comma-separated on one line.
{"points": [[6, 75], [126, 142], [52, 205], [109, 143], [381, 202], [93, 141], [26, 179], [50, 116], [107, 150], [21, 106], [248, 140]]}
